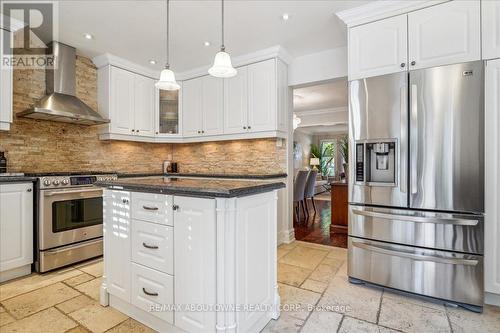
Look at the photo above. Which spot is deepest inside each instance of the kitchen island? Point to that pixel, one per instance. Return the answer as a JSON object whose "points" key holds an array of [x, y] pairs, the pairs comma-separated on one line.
{"points": [[193, 255]]}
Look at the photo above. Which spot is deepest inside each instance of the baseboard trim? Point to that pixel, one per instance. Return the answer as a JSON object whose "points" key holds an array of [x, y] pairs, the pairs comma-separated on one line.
{"points": [[286, 236], [492, 299]]}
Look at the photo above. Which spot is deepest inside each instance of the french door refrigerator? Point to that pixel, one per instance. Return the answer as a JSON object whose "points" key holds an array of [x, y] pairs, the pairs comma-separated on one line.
{"points": [[416, 182]]}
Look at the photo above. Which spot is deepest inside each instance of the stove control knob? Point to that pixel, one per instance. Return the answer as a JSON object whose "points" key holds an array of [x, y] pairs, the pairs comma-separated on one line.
{"points": [[55, 182], [65, 182], [46, 182]]}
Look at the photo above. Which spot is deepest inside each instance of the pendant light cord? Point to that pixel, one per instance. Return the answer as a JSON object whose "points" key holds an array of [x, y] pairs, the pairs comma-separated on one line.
{"points": [[167, 66], [222, 47]]}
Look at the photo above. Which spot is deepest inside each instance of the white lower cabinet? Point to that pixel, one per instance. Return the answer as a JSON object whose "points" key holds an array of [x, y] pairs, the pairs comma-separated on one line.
{"points": [[153, 291], [190, 276], [153, 245], [195, 257], [16, 230], [117, 244], [492, 178]]}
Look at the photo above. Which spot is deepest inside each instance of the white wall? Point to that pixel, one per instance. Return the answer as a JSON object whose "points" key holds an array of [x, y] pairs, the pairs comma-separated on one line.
{"points": [[302, 151], [316, 67]]}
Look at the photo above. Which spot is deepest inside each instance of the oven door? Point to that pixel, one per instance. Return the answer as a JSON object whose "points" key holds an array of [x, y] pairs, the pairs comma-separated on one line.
{"points": [[69, 215]]}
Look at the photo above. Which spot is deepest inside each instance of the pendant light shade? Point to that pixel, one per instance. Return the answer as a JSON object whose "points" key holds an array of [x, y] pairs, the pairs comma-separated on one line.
{"points": [[167, 80], [167, 76], [222, 66]]}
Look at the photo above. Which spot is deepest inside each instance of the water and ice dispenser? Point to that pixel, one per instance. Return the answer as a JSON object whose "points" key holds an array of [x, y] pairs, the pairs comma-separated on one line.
{"points": [[376, 162]]}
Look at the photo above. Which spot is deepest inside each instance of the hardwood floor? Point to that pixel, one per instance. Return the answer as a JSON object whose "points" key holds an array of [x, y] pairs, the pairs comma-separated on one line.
{"points": [[316, 229]]}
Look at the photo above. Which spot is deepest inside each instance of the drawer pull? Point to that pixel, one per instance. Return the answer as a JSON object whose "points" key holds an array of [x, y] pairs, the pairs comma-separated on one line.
{"points": [[148, 293], [175, 207], [413, 256], [418, 219], [153, 247], [150, 208]]}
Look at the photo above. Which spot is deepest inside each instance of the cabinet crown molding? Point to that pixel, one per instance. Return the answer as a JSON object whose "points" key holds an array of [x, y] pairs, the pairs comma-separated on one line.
{"points": [[378, 10], [110, 59], [14, 26], [277, 51]]}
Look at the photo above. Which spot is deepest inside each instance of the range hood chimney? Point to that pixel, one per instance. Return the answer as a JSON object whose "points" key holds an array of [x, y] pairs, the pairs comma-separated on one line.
{"points": [[60, 103]]}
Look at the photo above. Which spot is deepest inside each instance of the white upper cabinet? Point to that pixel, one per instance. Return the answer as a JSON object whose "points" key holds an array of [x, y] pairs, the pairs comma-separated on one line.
{"points": [[144, 105], [491, 29], [236, 102], [5, 88], [128, 99], [378, 48], [203, 106], [192, 107], [213, 106], [16, 229], [444, 34], [262, 96], [122, 101]]}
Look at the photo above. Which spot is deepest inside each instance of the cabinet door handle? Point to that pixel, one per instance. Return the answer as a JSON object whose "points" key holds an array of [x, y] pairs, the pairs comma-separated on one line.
{"points": [[156, 132], [202, 131], [249, 127], [413, 63], [199, 132], [148, 293], [403, 65], [28, 190], [175, 207], [150, 208], [125, 201], [244, 127], [152, 247], [133, 130]]}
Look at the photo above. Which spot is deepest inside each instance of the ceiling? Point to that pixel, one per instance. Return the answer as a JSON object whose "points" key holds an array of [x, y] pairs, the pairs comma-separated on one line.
{"points": [[332, 95], [324, 130], [135, 30]]}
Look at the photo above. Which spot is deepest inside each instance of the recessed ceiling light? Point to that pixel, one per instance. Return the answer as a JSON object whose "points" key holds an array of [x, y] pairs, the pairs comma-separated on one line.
{"points": [[88, 36], [285, 17], [152, 62], [206, 43]]}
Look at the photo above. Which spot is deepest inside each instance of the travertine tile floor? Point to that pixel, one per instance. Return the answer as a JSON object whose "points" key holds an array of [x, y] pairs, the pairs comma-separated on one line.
{"points": [[314, 276]]}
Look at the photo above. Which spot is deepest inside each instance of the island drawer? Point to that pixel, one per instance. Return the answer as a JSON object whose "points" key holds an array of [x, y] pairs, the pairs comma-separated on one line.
{"points": [[156, 208], [153, 291], [153, 245]]}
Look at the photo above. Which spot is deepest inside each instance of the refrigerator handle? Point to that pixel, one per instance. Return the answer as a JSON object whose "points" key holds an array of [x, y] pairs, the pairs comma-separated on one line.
{"points": [[414, 138], [403, 143], [415, 256]]}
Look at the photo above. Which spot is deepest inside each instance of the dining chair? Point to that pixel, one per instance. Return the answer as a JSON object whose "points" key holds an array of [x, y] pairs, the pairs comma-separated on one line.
{"points": [[298, 192], [309, 189]]}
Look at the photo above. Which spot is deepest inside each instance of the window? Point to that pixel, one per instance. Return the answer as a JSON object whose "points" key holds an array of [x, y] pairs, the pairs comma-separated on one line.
{"points": [[328, 157]]}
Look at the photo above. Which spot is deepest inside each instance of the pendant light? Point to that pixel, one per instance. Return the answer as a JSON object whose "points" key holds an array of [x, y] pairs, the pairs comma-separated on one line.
{"points": [[167, 76], [222, 63]]}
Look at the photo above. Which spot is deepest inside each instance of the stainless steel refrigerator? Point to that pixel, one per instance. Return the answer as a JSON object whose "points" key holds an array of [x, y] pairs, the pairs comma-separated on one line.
{"points": [[416, 182]]}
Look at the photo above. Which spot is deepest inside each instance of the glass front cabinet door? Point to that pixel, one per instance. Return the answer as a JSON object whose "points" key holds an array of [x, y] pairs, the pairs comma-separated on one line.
{"points": [[168, 115]]}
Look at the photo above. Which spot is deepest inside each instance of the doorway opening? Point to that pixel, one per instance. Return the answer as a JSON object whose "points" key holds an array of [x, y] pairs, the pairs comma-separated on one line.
{"points": [[319, 138]]}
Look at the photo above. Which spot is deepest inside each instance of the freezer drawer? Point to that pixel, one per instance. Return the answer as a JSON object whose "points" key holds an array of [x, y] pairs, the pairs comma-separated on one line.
{"points": [[446, 275], [452, 232]]}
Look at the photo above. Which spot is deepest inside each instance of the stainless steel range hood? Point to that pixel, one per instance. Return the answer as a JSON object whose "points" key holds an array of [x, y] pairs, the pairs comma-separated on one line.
{"points": [[61, 104]]}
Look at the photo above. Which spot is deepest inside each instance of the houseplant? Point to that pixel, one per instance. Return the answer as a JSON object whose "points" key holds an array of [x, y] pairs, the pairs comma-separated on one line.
{"points": [[325, 155]]}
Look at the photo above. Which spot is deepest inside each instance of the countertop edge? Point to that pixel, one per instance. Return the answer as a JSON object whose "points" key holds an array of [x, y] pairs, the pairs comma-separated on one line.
{"points": [[247, 191], [17, 179], [204, 175]]}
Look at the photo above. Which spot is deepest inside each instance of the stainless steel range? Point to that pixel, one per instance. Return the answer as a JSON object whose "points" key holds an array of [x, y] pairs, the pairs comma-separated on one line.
{"points": [[70, 216], [416, 185]]}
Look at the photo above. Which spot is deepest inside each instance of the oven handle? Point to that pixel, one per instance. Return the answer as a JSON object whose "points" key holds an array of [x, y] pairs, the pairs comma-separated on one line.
{"points": [[418, 257], [52, 193], [420, 219]]}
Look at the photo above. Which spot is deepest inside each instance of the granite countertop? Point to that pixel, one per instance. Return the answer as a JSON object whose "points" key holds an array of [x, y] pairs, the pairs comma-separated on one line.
{"points": [[192, 187], [207, 175]]}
